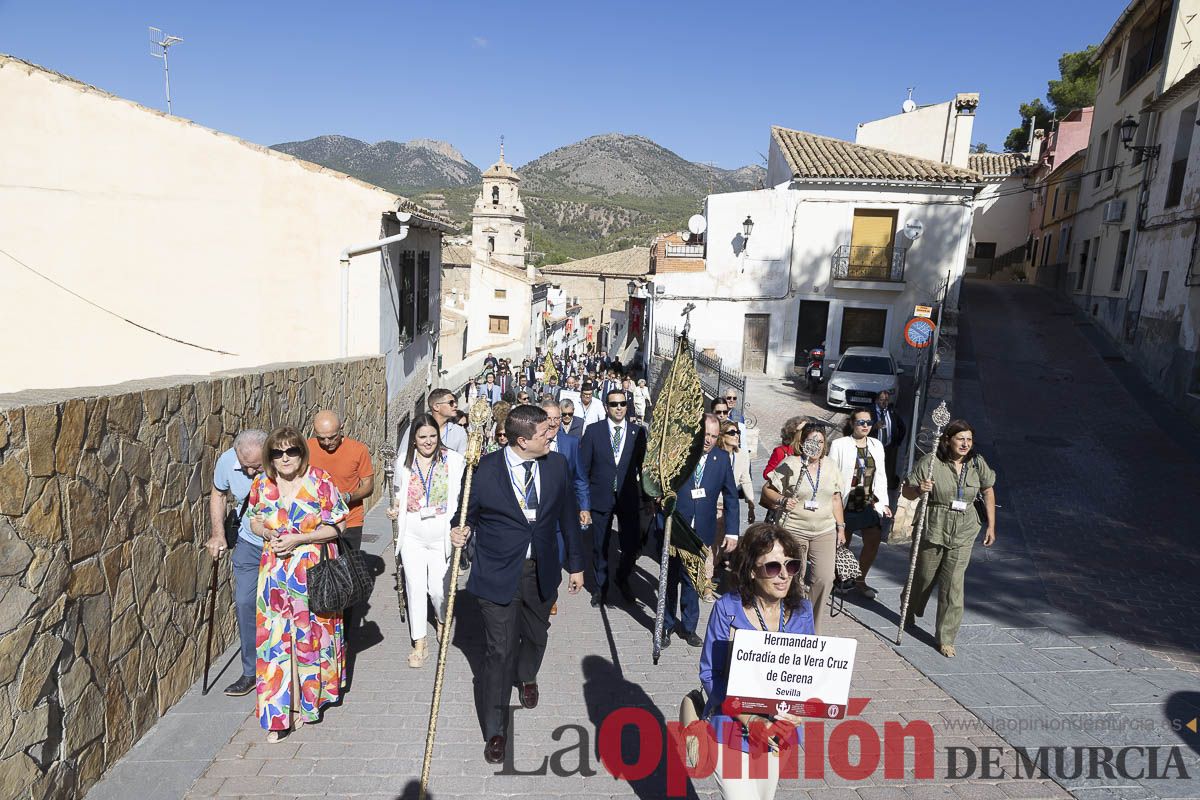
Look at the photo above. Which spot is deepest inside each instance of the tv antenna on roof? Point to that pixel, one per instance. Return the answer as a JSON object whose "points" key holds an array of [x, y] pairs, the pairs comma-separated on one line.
{"points": [[159, 43]]}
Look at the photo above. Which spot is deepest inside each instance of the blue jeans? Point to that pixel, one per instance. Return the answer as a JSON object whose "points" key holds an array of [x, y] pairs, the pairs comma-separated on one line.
{"points": [[688, 599], [246, 557]]}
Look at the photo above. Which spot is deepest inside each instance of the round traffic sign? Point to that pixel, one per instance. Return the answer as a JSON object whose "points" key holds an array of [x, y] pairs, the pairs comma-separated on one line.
{"points": [[919, 332]]}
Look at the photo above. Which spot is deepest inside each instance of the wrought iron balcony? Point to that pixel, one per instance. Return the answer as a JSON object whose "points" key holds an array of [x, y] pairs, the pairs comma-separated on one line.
{"points": [[685, 251], [862, 263]]}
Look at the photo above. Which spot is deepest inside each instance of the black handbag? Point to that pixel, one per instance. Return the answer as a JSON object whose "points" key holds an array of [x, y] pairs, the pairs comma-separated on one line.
{"points": [[335, 584], [978, 503], [233, 522]]}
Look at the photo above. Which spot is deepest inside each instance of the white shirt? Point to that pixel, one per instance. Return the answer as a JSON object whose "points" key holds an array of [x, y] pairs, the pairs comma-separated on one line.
{"points": [[592, 412], [517, 477], [612, 427], [844, 452]]}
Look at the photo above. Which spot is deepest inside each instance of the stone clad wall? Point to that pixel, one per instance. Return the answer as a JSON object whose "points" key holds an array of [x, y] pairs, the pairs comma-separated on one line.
{"points": [[103, 507]]}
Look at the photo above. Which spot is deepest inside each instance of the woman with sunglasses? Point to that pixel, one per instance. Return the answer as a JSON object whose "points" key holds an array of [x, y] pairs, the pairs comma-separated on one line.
{"points": [[730, 442], [296, 509], [860, 457], [807, 489], [428, 480], [498, 440], [768, 572]]}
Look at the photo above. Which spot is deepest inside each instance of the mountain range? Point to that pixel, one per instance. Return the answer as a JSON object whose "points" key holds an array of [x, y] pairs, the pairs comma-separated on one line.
{"points": [[603, 193]]}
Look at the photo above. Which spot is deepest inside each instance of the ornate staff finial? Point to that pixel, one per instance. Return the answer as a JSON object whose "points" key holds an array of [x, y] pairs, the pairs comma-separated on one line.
{"points": [[941, 417], [502, 148], [478, 419]]}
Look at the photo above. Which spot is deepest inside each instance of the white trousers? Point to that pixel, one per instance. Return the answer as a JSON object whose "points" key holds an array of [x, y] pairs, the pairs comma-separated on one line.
{"points": [[426, 569], [746, 788]]}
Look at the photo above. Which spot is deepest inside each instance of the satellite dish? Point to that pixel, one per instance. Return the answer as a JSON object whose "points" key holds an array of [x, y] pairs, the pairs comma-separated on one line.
{"points": [[697, 224], [913, 229], [908, 106]]}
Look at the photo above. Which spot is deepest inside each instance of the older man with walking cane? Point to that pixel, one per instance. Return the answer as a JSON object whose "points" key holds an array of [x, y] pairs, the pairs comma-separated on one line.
{"points": [[233, 474]]}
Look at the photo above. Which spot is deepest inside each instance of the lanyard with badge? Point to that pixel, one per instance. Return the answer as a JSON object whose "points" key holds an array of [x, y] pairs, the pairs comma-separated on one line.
{"points": [[959, 504], [698, 492], [811, 503], [428, 510], [523, 490]]}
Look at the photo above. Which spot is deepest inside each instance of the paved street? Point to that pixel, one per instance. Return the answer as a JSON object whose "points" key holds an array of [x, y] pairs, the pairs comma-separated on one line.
{"points": [[1068, 639], [1080, 627]]}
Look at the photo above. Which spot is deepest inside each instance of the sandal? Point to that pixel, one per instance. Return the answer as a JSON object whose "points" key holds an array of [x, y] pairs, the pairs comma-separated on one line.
{"points": [[947, 650], [866, 591], [416, 659]]}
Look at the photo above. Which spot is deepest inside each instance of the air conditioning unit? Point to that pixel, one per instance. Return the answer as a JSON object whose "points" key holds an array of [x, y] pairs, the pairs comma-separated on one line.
{"points": [[1114, 211]]}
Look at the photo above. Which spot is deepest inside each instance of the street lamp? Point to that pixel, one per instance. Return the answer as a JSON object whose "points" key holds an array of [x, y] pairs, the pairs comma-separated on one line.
{"points": [[1129, 127], [747, 229], [632, 287]]}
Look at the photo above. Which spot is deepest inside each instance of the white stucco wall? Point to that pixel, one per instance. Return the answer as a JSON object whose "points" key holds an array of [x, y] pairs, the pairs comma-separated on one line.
{"points": [[936, 132], [482, 303], [182, 229], [796, 232], [1002, 215]]}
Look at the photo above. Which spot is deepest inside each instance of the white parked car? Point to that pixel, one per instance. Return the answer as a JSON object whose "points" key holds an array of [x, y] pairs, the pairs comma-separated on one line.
{"points": [[860, 374]]}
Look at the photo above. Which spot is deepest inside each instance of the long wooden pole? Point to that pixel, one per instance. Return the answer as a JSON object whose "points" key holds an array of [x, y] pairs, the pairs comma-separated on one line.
{"points": [[941, 416], [480, 416]]}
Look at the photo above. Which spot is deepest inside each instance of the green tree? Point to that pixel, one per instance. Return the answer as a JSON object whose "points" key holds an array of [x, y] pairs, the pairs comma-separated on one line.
{"points": [[980, 147], [1075, 88], [1017, 140]]}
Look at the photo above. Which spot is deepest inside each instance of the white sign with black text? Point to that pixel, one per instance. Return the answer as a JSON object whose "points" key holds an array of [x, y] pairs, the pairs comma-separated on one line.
{"points": [[775, 673]]}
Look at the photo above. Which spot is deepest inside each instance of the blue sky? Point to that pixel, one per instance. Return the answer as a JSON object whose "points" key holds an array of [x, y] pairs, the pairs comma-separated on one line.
{"points": [[705, 79]]}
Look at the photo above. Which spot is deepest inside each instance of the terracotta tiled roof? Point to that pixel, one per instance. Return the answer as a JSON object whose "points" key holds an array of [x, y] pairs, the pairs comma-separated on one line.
{"points": [[632, 262], [502, 170], [456, 254], [509, 269], [995, 165], [822, 157]]}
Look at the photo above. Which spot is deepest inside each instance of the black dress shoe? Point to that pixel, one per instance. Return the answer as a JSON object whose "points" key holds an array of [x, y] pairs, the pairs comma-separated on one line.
{"points": [[626, 591], [597, 599], [666, 641], [529, 695], [691, 638], [493, 751], [242, 686]]}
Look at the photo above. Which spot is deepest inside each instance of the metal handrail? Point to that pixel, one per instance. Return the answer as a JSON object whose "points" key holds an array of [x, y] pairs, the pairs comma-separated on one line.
{"points": [[868, 263]]}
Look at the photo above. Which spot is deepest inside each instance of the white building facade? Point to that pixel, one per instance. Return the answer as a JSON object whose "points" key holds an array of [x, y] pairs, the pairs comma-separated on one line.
{"points": [[123, 214], [827, 259]]}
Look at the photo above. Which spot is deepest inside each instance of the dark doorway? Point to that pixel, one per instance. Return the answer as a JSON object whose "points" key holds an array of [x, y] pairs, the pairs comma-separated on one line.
{"points": [[755, 342], [811, 328], [863, 327]]}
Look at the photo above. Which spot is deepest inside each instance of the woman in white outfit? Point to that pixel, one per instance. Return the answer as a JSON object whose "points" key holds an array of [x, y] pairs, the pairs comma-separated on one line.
{"points": [[428, 481], [860, 457]]}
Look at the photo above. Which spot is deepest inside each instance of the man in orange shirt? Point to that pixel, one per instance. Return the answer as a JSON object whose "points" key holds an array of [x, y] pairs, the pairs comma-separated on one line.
{"points": [[348, 462]]}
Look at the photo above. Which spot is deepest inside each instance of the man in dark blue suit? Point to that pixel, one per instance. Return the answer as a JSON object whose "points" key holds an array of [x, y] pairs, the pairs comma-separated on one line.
{"points": [[569, 447], [610, 458], [522, 496], [572, 423], [697, 504]]}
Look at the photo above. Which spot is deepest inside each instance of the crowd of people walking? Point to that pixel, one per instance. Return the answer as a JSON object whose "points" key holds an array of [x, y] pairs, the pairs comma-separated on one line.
{"points": [[563, 457]]}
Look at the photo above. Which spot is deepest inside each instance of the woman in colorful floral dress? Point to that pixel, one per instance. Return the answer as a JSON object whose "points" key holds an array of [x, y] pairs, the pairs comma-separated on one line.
{"points": [[301, 655]]}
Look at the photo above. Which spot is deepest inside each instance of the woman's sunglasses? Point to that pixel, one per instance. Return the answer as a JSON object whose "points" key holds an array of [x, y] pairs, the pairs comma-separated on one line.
{"points": [[771, 569], [291, 452]]}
